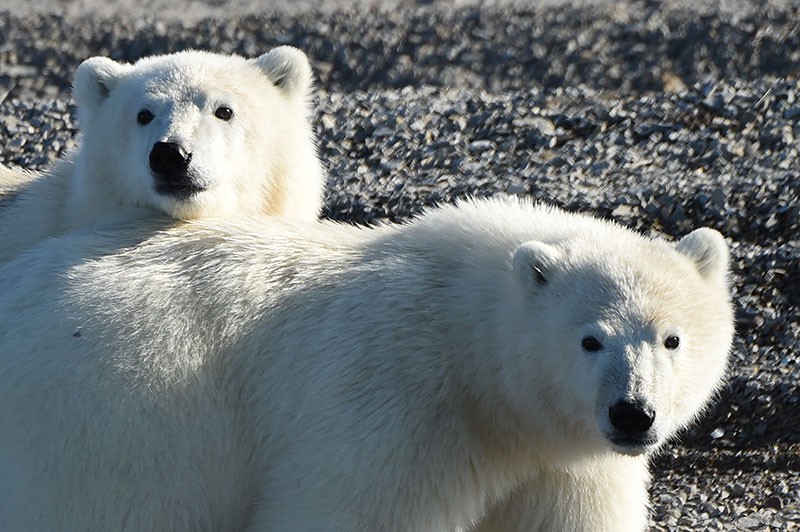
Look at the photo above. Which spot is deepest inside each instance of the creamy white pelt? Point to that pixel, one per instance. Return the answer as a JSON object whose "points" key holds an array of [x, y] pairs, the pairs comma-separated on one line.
{"points": [[493, 361]]}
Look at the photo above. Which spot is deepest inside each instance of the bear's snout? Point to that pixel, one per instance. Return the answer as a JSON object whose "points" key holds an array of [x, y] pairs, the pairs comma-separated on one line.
{"points": [[632, 419], [169, 159], [169, 162]]}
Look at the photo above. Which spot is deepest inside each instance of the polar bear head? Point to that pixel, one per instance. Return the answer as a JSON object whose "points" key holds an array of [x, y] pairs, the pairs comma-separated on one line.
{"points": [[634, 335], [196, 134]]}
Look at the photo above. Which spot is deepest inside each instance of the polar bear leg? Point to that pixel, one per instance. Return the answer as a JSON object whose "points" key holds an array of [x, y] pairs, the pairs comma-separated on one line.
{"points": [[610, 498]]}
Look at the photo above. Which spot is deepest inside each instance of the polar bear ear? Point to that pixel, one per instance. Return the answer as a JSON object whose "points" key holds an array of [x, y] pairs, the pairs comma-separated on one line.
{"points": [[534, 262], [288, 69], [707, 248], [95, 79]]}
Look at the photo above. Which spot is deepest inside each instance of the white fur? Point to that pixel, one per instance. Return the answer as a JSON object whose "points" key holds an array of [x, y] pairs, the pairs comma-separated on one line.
{"points": [[265, 376], [261, 161], [11, 181]]}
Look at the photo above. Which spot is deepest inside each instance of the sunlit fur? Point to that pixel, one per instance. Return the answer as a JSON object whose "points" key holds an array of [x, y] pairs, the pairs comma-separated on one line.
{"points": [[12, 181], [267, 375]]}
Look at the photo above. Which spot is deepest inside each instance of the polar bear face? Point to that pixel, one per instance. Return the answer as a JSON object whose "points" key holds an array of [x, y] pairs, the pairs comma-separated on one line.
{"points": [[635, 341], [195, 134]]}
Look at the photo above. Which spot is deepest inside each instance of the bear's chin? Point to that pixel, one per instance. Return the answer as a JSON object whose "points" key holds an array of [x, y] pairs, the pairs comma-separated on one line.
{"points": [[633, 447], [182, 192], [188, 207]]}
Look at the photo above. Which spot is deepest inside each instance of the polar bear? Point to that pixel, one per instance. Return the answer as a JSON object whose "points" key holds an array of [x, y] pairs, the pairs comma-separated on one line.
{"points": [[186, 135], [267, 375]]}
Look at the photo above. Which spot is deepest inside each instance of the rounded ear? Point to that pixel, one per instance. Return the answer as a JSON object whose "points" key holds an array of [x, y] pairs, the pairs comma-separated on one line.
{"points": [[95, 79], [288, 69], [708, 250], [534, 262]]}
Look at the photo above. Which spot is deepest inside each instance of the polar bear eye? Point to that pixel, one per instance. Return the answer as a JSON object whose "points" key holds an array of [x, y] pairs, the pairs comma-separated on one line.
{"points": [[590, 344], [672, 342], [144, 117], [224, 113]]}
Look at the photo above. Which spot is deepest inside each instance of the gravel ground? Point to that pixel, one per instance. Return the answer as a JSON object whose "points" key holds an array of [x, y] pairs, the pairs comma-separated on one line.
{"points": [[664, 116]]}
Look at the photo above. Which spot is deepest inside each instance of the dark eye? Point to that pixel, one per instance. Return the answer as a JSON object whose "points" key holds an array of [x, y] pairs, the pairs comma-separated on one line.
{"points": [[590, 344], [144, 117], [672, 342], [224, 113]]}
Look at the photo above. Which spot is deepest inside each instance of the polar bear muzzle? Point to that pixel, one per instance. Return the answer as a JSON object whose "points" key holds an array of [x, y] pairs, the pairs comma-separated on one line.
{"points": [[632, 421], [169, 162]]}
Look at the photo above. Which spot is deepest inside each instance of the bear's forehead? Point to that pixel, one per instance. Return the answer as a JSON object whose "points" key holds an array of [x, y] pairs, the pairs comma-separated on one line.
{"points": [[173, 75], [634, 313], [173, 88], [643, 281], [180, 77], [191, 61], [637, 263]]}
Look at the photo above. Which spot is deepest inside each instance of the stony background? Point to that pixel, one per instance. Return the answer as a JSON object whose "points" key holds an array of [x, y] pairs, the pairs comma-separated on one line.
{"points": [[663, 115]]}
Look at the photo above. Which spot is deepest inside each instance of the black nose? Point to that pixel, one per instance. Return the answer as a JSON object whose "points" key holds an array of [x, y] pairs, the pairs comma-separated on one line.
{"points": [[169, 160], [631, 416]]}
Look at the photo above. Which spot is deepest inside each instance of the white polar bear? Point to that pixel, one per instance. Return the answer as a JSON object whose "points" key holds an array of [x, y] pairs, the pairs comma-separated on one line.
{"points": [[191, 135], [263, 375]]}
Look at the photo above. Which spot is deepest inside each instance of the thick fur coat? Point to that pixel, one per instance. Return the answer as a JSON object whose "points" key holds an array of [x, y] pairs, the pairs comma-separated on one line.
{"points": [[459, 371]]}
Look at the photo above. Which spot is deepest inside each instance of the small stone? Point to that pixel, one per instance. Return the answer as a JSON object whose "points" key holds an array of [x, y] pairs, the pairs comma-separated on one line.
{"points": [[542, 125], [664, 498], [328, 122], [478, 146], [773, 502], [622, 211], [10, 122], [749, 522], [672, 82], [16, 143], [516, 189], [710, 509], [792, 113]]}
